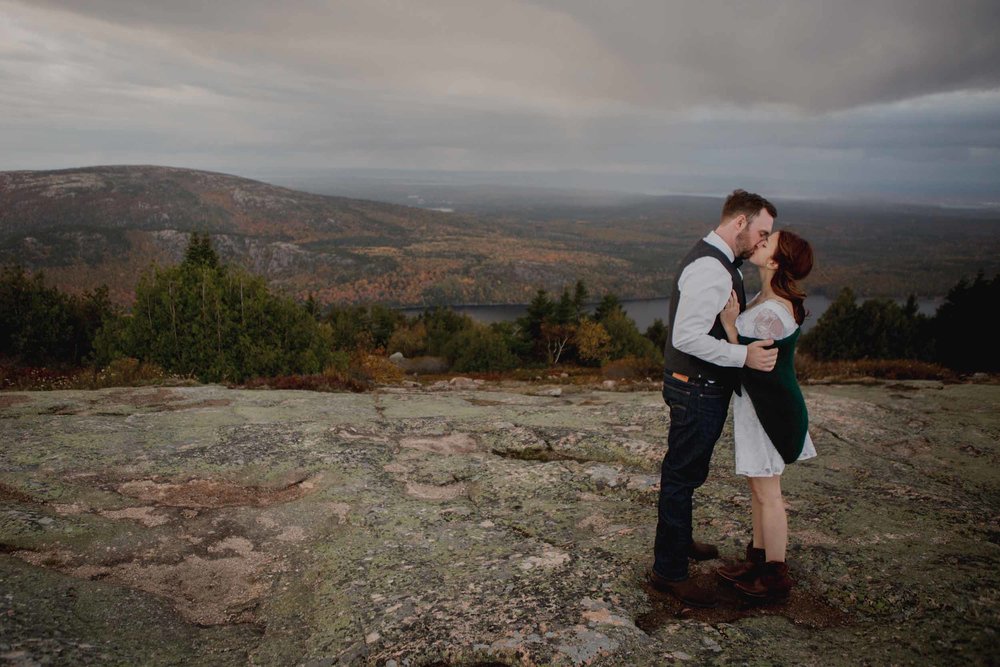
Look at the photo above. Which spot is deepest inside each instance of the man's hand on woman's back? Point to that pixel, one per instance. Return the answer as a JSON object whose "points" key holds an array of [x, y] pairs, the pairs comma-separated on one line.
{"points": [[759, 358]]}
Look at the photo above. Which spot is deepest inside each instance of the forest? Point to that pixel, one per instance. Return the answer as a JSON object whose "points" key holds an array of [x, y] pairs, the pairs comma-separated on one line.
{"points": [[212, 322]]}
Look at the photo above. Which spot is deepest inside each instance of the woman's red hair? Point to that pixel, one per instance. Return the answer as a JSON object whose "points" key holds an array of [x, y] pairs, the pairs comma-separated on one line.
{"points": [[794, 257]]}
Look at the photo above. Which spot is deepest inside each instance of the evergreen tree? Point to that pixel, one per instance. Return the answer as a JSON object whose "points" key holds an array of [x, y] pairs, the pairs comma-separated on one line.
{"points": [[91, 311], [382, 322], [836, 333], [41, 325], [657, 334], [218, 323], [565, 311], [200, 252], [511, 335], [312, 307], [361, 327], [539, 311], [877, 329], [558, 331], [350, 328], [580, 296], [962, 329], [608, 306]]}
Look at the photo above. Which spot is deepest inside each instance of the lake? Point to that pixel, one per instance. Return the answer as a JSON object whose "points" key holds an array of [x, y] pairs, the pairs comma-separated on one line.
{"points": [[644, 311]]}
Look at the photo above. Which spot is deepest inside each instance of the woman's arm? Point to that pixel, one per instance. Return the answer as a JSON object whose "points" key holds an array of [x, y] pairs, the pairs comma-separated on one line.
{"points": [[728, 317]]}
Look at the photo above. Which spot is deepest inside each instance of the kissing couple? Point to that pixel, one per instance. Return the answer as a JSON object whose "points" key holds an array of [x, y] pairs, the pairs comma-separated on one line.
{"points": [[720, 344]]}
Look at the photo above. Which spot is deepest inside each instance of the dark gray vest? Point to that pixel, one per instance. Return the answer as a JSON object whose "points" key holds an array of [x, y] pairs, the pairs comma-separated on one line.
{"points": [[686, 364]]}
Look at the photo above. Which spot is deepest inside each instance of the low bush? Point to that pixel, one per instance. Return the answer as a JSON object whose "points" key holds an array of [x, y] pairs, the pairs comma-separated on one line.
{"points": [[314, 382], [808, 368], [126, 372], [31, 378], [425, 365], [374, 368], [632, 368]]}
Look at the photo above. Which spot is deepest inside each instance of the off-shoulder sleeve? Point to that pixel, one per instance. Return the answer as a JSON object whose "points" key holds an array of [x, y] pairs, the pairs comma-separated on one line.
{"points": [[768, 324]]}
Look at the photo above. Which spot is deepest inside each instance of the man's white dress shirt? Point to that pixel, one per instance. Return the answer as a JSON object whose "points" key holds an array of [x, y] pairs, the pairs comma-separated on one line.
{"points": [[704, 286]]}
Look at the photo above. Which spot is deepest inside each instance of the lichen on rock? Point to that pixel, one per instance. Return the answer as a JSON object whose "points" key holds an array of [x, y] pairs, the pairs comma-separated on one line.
{"points": [[478, 525]]}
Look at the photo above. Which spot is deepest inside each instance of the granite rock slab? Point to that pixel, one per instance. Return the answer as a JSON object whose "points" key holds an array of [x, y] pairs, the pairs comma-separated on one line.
{"points": [[483, 525]]}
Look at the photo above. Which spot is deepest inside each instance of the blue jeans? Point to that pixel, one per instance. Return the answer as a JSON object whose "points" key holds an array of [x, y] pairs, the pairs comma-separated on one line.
{"points": [[697, 416]]}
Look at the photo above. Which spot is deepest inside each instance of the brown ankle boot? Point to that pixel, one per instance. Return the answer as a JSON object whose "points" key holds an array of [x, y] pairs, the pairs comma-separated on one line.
{"points": [[702, 551], [686, 590], [745, 571], [772, 583]]}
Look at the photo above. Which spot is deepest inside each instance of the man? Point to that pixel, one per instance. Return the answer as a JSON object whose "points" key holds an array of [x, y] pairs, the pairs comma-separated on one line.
{"points": [[699, 379]]}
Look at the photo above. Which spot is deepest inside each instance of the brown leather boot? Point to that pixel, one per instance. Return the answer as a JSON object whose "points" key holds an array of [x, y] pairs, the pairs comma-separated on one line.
{"points": [[745, 571], [686, 591], [772, 584], [702, 551]]}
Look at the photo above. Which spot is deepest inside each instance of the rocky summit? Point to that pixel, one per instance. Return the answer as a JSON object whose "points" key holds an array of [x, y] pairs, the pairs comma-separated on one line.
{"points": [[478, 525]]}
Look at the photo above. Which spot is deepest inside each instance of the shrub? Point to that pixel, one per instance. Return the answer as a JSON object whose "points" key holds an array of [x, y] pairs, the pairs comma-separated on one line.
{"points": [[632, 368], [593, 343], [369, 327], [409, 339], [480, 349], [373, 368], [442, 325], [425, 365], [128, 371], [964, 338], [31, 378], [808, 368], [313, 382], [626, 341]]}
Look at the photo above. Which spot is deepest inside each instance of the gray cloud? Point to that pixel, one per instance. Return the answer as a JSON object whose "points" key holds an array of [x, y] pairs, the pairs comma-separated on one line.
{"points": [[815, 55], [839, 92]]}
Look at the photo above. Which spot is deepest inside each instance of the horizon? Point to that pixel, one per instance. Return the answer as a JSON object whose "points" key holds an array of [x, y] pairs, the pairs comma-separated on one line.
{"points": [[320, 180]]}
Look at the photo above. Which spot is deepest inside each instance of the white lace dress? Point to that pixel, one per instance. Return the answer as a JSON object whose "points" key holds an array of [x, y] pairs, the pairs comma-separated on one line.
{"points": [[755, 455]]}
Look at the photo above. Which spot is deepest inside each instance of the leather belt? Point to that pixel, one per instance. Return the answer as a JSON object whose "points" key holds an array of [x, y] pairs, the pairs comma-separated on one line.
{"points": [[693, 380]]}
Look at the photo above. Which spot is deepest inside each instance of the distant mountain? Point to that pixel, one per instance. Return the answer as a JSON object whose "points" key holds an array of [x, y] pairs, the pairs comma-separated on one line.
{"points": [[95, 225]]}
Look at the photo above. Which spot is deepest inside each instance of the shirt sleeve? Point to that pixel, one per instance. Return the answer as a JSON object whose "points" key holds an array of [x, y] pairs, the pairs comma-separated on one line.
{"points": [[704, 287]]}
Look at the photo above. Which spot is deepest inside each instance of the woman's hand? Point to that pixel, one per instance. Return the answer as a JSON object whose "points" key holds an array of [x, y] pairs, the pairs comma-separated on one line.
{"points": [[728, 316]]}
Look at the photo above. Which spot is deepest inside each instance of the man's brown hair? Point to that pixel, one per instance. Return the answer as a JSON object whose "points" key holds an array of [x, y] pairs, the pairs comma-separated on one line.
{"points": [[741, 202]]}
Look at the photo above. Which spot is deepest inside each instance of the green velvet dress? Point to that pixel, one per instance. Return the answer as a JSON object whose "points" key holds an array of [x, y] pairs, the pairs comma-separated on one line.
{"points": [[777, 399]]}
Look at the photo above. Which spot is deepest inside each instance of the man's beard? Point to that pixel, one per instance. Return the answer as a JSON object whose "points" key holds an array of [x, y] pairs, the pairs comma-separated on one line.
{"points": [[744, 246]]}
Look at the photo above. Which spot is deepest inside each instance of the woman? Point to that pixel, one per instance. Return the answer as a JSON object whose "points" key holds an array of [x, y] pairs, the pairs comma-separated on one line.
{"points": [[769, 415]]}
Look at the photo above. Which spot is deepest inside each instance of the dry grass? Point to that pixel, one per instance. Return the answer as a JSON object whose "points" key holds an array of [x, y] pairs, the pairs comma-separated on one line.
{"points": [[126, 372], [884, 369], [631, 368], [375, 368], [367, 370]]}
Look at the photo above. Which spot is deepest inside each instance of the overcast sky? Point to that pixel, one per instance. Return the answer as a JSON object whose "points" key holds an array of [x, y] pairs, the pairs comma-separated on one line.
{"points": [[882, 98]]}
